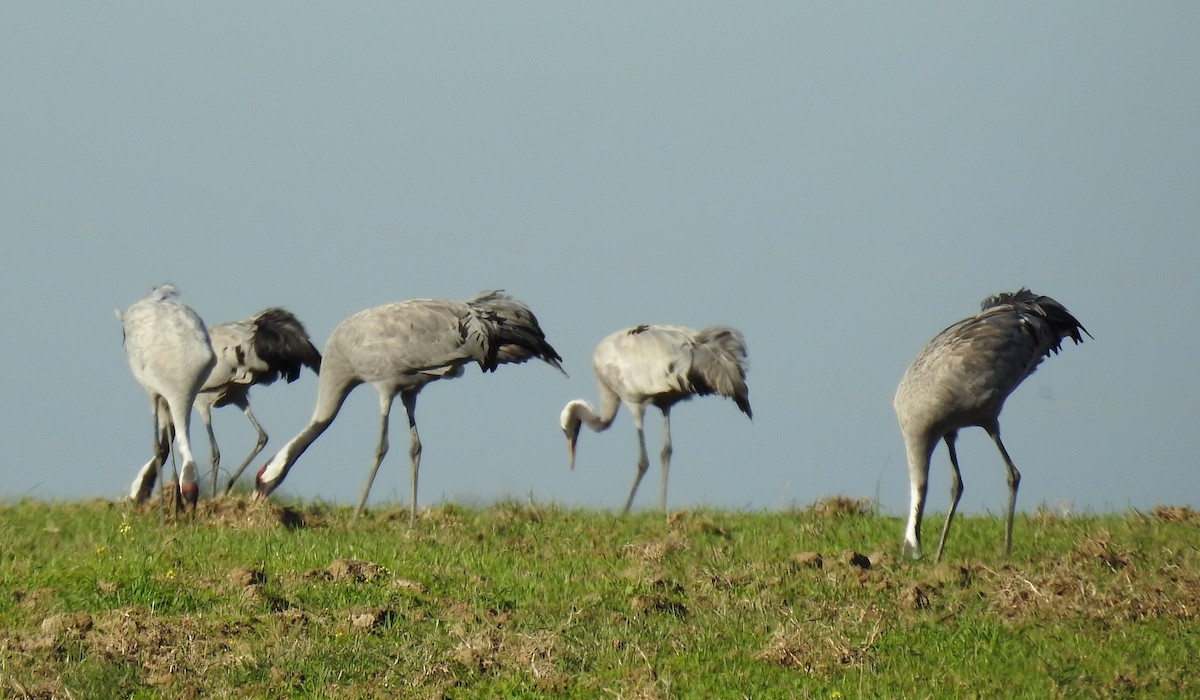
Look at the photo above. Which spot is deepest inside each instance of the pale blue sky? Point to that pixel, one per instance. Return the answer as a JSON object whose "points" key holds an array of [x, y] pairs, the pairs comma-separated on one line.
{"points": [[840, 181]]}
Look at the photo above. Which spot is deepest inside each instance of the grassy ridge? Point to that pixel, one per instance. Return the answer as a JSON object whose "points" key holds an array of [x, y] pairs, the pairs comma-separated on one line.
{"points": [[524, 600]]}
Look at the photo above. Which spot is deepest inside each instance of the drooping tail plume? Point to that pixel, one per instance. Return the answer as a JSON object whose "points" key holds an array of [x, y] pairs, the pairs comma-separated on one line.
{"points": [[515, 333], [282, 342], [722, 369], [1062, 323]]}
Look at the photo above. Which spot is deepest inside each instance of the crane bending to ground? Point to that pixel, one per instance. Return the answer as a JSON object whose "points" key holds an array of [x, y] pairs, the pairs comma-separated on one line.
{"points": [[659, 366], [961, 379], [398, 349], [257, 350], [170, 354]]}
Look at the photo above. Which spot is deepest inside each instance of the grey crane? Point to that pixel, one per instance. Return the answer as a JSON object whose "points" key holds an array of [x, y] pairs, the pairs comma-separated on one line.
{"points": [[398, 349], [961, 379], [650, 365], [258, 350], [170, 354]]}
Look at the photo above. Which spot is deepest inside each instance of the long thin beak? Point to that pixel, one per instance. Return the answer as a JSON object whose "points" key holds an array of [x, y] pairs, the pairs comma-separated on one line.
{"points": [[571, 438]]}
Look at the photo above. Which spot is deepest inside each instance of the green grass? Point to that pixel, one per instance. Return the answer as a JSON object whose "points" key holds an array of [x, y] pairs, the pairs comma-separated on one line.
{"points": [[528, 600]]}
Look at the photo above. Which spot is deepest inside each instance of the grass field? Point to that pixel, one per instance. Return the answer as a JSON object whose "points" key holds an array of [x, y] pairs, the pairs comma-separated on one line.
{"points": [[99, 600]]}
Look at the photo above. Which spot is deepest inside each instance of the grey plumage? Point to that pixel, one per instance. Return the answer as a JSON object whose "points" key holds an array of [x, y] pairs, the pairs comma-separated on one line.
{"points": [[962, 378], [659, 366], [170, 355], [258, 350], [398, 349]]}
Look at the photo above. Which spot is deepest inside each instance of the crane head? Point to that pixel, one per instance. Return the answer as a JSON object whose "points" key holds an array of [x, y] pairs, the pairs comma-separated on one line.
{"points": [[570, 422], [263, 486]]}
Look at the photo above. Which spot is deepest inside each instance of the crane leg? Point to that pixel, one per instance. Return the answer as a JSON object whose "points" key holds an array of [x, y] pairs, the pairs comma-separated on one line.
{"points": [[1014, 481], [956, 489], [385, 406], [643, 461], [206, 417], [919, 450], [172, 451], [414, 451], [666, 459], [151, 472], [912, 531], [189, 491], [258, 447]]}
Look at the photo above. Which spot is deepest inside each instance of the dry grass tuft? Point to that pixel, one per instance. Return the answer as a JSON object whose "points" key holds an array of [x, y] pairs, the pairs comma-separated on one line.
{"points": [[841, 506], [914, 597], [1101, 548], [843, 638], [1177, 514], [657, 549], [493, 650]]}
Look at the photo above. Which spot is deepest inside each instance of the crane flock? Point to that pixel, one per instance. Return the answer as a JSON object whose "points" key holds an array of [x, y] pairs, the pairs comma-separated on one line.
{"points": [[961, 378]]}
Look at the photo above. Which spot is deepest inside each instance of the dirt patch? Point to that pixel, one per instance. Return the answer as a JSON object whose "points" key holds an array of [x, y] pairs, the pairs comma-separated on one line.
{"points": [[244, 514], [243, 576], [855, 559], [55, 632], [913, 597], [805, 560], [235, 512], [657, 603], [373, 618]]}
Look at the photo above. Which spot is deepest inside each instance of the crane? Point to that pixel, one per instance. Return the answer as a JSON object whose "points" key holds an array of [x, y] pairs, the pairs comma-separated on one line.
{"points": [[257, 350], [169, 351], [399, 348], [655, 365], [961, 378]]}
